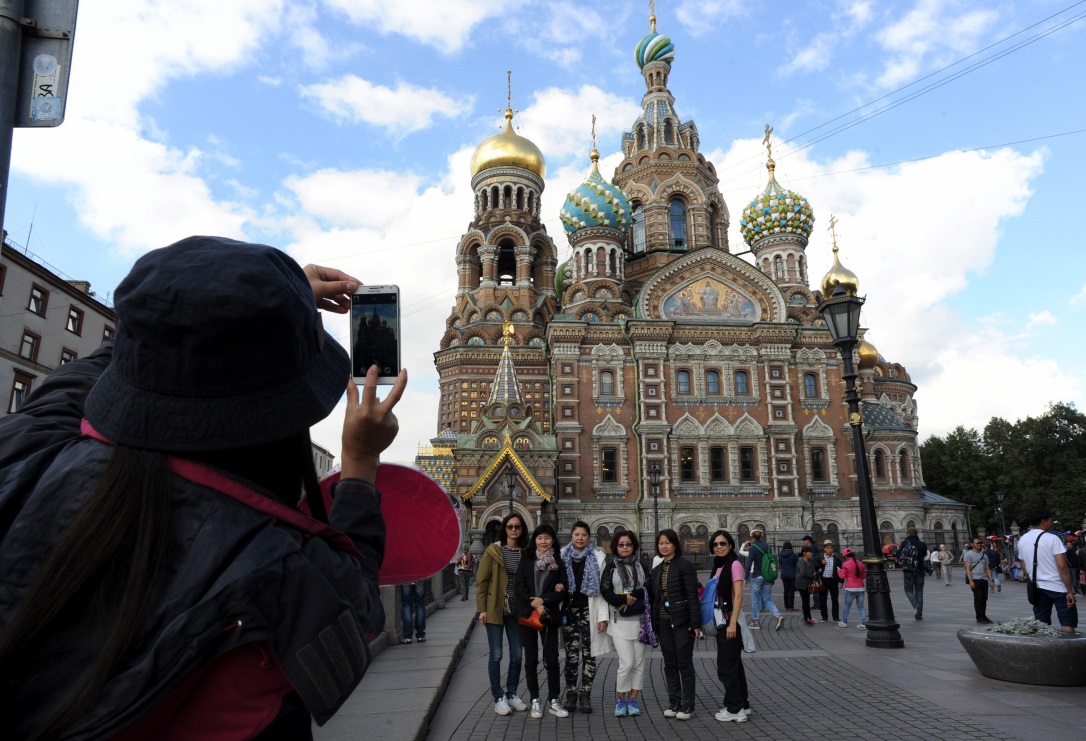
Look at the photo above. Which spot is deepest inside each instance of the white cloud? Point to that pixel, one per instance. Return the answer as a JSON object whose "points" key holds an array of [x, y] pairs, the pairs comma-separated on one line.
{"points": [[847, 21], [559, 121], [700, 17], [362, 198], [1040, 319], [446, 24], [401, 111], [1079, 298]]}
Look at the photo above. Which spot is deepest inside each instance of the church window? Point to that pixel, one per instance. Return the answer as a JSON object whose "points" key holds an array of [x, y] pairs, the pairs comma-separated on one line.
{"points": [[607, 383], [638, 228], [818, 464], [677, 214], [778, 268], [683, 381], [802, 270], [687, 470], [712, 382], [612, 262], [880, 465], [742, 383], [642, 140], [717, 468], [903, 466], [714, 221], [507, 196], [608, 465], [669, 132], [507, 263], [810, 385], [747, 469]]}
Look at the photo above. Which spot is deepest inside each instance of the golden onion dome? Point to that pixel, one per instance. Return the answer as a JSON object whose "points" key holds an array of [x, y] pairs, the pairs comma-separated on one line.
{"points": [[869, 356], [839, 275], [508, 149]]}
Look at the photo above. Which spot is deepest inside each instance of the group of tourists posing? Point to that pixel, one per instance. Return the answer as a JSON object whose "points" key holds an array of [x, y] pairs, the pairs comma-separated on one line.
{"points": [[530, 593]]}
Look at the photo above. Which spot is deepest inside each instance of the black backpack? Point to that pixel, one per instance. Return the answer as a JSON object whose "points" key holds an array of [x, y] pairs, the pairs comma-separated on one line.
{"points": [[908, 555]]}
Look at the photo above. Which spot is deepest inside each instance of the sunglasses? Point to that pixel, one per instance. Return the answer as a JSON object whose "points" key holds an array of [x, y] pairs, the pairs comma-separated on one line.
{"points": [[514, 527], [720, 544], [625, 545]]}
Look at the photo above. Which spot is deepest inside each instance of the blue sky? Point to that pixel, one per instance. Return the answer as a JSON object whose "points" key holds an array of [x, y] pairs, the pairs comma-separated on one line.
{"points": [[341, 130]]}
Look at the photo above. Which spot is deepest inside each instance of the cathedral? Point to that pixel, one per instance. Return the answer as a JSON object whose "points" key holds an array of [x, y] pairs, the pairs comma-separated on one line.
{"points": [[655, 379]]}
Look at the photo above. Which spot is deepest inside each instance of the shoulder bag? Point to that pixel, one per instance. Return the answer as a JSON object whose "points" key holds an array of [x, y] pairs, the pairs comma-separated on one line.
{"points": [[1031, 583]]}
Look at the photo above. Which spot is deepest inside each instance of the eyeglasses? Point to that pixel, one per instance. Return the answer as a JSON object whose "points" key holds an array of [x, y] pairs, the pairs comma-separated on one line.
{"points": [[514, 527], [720, 544], [625, 545]]}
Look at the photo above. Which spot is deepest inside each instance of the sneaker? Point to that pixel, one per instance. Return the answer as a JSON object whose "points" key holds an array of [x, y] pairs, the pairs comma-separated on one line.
{"points": [[632, 708], [746, 712], [862, 626], [724, 716], [916, 613], [780, 622], [501, 707], [421, 640], [984, 621], [555, 708], [672, 710], [405, 641], [537, 710], [755, 625], [811, 621], [516, 703], [620, 708], [685, 713], [842, 625]]}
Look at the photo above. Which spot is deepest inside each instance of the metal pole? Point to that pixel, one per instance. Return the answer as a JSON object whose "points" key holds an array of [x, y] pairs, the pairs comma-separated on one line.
{"points": [[882, 628], [11, 47], [656, 508]]}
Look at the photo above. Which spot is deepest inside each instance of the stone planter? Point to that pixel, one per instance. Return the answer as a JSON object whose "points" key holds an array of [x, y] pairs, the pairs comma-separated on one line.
{"points": [[1027, 659]]}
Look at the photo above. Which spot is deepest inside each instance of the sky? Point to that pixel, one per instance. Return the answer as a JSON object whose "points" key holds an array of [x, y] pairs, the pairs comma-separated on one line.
{"points": [[936, 131]]}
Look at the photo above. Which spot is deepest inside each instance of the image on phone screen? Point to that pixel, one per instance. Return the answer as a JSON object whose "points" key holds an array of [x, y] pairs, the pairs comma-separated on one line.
{"points": [[375, 334]]}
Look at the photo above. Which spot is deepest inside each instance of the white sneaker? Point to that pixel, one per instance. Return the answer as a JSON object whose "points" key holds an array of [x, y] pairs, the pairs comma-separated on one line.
{"points": [[501, 707], [516, 703], [537, 710], [724, 716], [862, 626], [842, 625], [670, 712], [746, 712], [685, 714], [554, 707]]}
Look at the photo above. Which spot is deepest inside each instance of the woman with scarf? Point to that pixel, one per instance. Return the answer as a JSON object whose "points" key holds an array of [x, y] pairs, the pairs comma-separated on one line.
{"points": [[584, 636], [729, 641], [541, 586], [623, 589]]}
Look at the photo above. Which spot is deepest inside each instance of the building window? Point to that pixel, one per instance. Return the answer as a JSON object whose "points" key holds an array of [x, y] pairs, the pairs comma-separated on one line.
{"points": [[717, 469], [677, 214], [668, 132], [903, 466], [686, 464], [67, 356], [608, 465], [3, 277], [818, 464], [75, 321], [712, 382], [810, 385], [30, 345], [747, 469], [20, 389], [778, 268], [607, 383], [39, 300], [638, 228], [742, 383], [880, 465], [683, 379]]}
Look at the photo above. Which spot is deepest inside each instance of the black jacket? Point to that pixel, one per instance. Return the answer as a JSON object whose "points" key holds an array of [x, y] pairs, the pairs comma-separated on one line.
{"points": [[524, 585], [682, 592]]}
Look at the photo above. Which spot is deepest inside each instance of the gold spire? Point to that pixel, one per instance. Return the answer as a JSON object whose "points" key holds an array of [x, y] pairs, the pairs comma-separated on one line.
{"points": [[838, 275], [652, 15], [594, 155]]}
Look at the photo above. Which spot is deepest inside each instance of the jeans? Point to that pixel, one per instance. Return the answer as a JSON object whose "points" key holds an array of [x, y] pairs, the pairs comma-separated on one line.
{"points": [[729, 668], [531, 639], [494, 666], [858, 598], [413, 608], [1046, 600], [677, 648], [761, 596], [914, 589]]}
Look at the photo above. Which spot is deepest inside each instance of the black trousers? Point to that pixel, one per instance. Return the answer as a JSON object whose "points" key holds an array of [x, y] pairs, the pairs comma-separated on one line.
{"points": [[677, 647], [980, 598], [729, 668], [805, 601], [789, 593], [530, 638], [830, 595]]}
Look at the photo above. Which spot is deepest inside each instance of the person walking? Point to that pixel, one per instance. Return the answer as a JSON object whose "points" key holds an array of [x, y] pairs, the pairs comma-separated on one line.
{"points": [[853, 573], [911, 554], [826, 564], [623, 588], [978, 575], [496, 602], [788, 561], [676, 618], [463, 568], [729, 638], [761, 589], [413, 611], [806, 574], [946, 558], [1051, 576], [585, 636], [541, 587], [809, 541], [936, 564]]}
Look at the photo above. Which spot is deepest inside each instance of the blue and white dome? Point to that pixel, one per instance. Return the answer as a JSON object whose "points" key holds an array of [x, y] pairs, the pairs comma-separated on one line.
{"points": [[654, 48], [595, 203]]}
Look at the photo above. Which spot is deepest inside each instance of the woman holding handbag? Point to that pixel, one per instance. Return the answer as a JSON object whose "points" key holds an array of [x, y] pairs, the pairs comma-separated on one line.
{"points": [[806, 576], [541, 587], [623, 588], [729, 641], [495, 601], [677, 621]]}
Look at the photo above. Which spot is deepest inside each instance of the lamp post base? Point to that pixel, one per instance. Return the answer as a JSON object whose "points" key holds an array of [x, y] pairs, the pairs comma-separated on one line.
{"points": [[882, 629]]}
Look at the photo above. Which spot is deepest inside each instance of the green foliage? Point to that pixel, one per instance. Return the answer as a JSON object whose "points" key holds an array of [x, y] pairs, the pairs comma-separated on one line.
{"points": [[1026, 627], [1036, 461]]}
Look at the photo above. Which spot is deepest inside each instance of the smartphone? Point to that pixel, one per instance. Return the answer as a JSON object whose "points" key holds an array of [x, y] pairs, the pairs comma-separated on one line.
{"points": [[375, 332]]}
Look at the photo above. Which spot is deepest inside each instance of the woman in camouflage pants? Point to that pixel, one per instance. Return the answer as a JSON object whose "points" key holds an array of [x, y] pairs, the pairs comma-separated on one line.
{"points": [[584, 636]]}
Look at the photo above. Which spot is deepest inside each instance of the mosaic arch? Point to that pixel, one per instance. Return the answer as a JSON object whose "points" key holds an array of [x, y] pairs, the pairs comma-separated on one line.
{"points": [[708, 299]]}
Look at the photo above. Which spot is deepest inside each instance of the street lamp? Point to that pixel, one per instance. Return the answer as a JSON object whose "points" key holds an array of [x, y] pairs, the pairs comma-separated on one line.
{"points": [[841, 311], [1002, 517], [811, 499], [654, 479], [510, 484]]}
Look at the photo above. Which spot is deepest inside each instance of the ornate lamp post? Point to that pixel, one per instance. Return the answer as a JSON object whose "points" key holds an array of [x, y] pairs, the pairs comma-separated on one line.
{"points": [[1002, 517], [811, 499], [841, 311], [654, 479], [510, 484]]}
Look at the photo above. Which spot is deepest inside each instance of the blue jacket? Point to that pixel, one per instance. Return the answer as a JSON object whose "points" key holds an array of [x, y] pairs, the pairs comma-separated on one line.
{"points": [[227, 565], [788, 561]]}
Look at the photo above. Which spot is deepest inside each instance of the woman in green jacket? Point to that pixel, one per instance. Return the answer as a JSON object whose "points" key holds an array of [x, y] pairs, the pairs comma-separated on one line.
{"points": [[495, 602]]}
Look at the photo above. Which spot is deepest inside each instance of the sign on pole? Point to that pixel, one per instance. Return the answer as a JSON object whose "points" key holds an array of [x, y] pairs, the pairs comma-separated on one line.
{"points": [[48, 32]]}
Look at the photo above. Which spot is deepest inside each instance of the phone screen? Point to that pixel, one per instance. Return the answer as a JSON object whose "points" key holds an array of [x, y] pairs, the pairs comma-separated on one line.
{"points": [[375, 332]]}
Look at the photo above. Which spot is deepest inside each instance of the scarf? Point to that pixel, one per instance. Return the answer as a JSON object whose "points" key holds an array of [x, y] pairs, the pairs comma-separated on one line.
{"points": [[726, 563], [544, 561], [630, 572], [590, 582]]}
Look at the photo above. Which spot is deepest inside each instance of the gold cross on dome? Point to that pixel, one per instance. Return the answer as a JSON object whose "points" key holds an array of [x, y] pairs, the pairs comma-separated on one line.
{"points": [[509, 88], [593, 130], [832, 229], [652, 15], [768, 140]]}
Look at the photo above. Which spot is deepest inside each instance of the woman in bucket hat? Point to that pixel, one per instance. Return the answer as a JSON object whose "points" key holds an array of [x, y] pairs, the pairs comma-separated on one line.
{"points": [[157, 578]]}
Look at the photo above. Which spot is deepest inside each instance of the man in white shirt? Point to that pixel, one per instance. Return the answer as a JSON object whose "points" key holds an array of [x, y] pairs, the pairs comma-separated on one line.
{"points": [[1053, 577]]}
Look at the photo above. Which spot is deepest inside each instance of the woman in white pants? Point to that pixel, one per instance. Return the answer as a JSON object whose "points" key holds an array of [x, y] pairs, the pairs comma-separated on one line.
{"points": [[623, 587]]}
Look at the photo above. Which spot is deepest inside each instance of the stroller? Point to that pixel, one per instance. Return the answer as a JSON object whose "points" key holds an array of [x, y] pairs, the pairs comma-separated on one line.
{"points": [[889, 552]]}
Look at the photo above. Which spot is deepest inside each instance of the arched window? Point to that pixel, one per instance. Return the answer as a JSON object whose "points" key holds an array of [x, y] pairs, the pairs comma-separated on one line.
{"points": [[747, 469], [642, 140], [607, 383], [712, 382], [683, 381], [638, 228], [940, 536], [588, 268], [507, 263], [802, 270], [603, 537], [669, 132], [810, 385], [742, 383], [778, 268], [677, 213], [886, 532], [818, 464], [714, 225], [507, 197], [687, 469], [903, 465], [612, 262], [880, 465]]}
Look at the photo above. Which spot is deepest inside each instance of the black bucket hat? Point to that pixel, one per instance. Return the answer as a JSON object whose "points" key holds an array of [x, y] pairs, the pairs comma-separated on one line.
{"points": [[219, 345]]}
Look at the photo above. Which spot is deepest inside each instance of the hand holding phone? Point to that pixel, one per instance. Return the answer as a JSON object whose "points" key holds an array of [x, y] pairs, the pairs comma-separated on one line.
{"points": [[375, 333]]}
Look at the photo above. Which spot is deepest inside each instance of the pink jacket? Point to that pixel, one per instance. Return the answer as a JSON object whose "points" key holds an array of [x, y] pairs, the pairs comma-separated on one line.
{"points": [[853, 572]]}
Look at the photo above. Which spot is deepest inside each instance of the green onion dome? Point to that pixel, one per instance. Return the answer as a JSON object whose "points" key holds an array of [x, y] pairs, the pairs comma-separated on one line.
{"points": [[595, 203]]}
